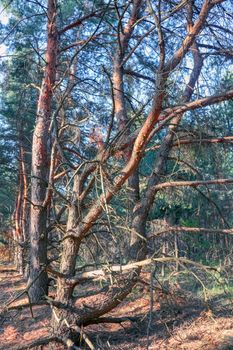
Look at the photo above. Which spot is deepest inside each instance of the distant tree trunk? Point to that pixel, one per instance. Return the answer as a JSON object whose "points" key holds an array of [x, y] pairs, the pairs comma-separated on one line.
{"points": [[24, 216], [176, 248], [20, 216], [164, 249], [40, 165], [24, 210], [18, 252], [120, 109]]}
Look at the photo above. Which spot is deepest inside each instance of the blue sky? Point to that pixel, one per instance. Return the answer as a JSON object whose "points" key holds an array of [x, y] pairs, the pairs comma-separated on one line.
{"points": [[4, 20]]}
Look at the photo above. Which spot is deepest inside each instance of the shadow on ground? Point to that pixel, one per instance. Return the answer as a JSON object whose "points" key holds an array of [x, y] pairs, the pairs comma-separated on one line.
{"points": [[188, 324]]}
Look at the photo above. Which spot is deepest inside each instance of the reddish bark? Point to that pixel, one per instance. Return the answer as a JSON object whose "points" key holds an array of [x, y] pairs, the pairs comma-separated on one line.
{"points": [[40, 159], [77, 230], [19, 215]]}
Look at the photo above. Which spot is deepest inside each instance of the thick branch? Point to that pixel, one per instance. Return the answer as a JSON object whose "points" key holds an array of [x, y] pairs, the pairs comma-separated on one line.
{"points": [[171, 112], [200, 103]]}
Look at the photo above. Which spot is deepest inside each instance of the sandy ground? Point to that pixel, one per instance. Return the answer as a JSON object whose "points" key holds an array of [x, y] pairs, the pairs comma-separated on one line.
{"points": [[176, 322]]}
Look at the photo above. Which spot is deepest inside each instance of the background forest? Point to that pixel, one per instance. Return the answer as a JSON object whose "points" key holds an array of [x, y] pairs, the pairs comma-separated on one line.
{"points": [[116, 173]]}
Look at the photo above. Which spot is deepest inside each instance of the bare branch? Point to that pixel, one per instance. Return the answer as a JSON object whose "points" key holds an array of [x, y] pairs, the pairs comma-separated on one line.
{"points": [[193, 183], [80, 21], [178, 143]]}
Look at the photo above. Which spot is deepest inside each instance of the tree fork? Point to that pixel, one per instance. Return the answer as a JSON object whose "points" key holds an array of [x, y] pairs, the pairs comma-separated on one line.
{"points": [[81, 228]]}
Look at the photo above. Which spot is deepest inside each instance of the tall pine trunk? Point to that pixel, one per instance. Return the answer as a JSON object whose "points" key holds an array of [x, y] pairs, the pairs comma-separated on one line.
{"points": [[40, 165]]}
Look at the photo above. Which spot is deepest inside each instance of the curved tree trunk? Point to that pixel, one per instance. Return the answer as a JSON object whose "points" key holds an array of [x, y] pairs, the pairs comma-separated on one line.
{"points": [[140, 213], [71, 246], [78, 230]]}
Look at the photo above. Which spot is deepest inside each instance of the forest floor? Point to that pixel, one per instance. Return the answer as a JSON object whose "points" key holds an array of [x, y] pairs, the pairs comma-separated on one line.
{"points": [[177, 322]]}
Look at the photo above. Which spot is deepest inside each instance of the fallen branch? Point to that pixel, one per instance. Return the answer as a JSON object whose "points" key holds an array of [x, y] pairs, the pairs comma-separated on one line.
{"points": [[112, 320], [193, 229], [110, 269]]}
